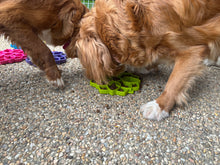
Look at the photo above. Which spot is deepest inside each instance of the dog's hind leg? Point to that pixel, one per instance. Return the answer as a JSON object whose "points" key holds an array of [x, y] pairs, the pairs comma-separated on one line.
{"points": [[188, 65], [41, 56]]}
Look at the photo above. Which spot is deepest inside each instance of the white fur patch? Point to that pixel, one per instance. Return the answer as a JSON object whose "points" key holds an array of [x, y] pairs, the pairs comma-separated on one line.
{"points": [[208, 62], [46, 36], [141, 70], [152, 111], [214, 52], [218, 62], [57, 83]]}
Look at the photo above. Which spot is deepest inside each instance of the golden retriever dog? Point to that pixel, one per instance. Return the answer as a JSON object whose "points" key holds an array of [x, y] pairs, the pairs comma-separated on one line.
{"points": [[145, 33], [28, 22]]}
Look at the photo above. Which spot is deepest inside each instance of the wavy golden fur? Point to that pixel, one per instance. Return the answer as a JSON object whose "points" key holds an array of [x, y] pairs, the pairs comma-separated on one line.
{"points": [[23, 21], [143, 33]]}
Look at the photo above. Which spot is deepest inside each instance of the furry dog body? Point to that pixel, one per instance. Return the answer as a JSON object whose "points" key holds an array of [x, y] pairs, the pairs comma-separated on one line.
{"points": [[25, 21], [144, 33]]}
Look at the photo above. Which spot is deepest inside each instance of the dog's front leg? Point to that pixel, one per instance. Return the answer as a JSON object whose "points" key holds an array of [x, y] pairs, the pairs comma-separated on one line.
{"points": [[40, 54], [188, 65]]}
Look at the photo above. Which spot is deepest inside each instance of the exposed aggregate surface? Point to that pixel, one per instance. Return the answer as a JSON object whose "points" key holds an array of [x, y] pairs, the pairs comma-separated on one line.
{"points": [[77, 125]]}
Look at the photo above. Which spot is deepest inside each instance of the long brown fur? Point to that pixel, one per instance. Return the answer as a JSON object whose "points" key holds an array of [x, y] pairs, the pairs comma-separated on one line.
{"points": [[142, 33], [22, 21]]}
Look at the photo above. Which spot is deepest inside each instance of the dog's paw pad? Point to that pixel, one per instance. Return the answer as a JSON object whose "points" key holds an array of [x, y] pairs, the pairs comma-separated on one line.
{"points": [[57, 83], [152, 111]]}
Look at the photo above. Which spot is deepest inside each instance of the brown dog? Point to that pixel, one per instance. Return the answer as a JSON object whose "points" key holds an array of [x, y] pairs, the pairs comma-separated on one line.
{"points": [[142, 33], [56, 21]]}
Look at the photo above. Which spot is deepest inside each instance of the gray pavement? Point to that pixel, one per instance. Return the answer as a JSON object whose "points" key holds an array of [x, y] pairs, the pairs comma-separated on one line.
{"points": [[77, 125]]}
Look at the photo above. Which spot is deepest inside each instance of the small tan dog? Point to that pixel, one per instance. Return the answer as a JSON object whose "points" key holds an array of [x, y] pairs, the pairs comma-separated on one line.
{"points": [[144, 33], [24, 22]]}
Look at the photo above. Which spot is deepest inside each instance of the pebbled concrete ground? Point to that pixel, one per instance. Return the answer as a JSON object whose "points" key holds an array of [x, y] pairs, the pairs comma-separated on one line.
{"points": [[77, 125]]}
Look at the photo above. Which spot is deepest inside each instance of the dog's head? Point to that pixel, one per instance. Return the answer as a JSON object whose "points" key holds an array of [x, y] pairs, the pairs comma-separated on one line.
{"points": [[65, 31], [94, 55], [103, 47]]}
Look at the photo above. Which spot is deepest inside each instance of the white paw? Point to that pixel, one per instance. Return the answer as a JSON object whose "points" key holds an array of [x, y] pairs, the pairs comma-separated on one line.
{"points": [[152, 111], [57, 82]]}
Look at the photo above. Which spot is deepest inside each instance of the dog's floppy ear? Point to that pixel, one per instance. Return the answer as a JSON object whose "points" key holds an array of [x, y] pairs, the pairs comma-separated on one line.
{"points": [[95, 57], [71, 14], [137, 14]]}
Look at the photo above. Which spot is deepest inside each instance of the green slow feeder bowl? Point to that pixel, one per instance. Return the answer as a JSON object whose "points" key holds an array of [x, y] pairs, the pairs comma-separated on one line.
{"points": [[120, 85]]}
